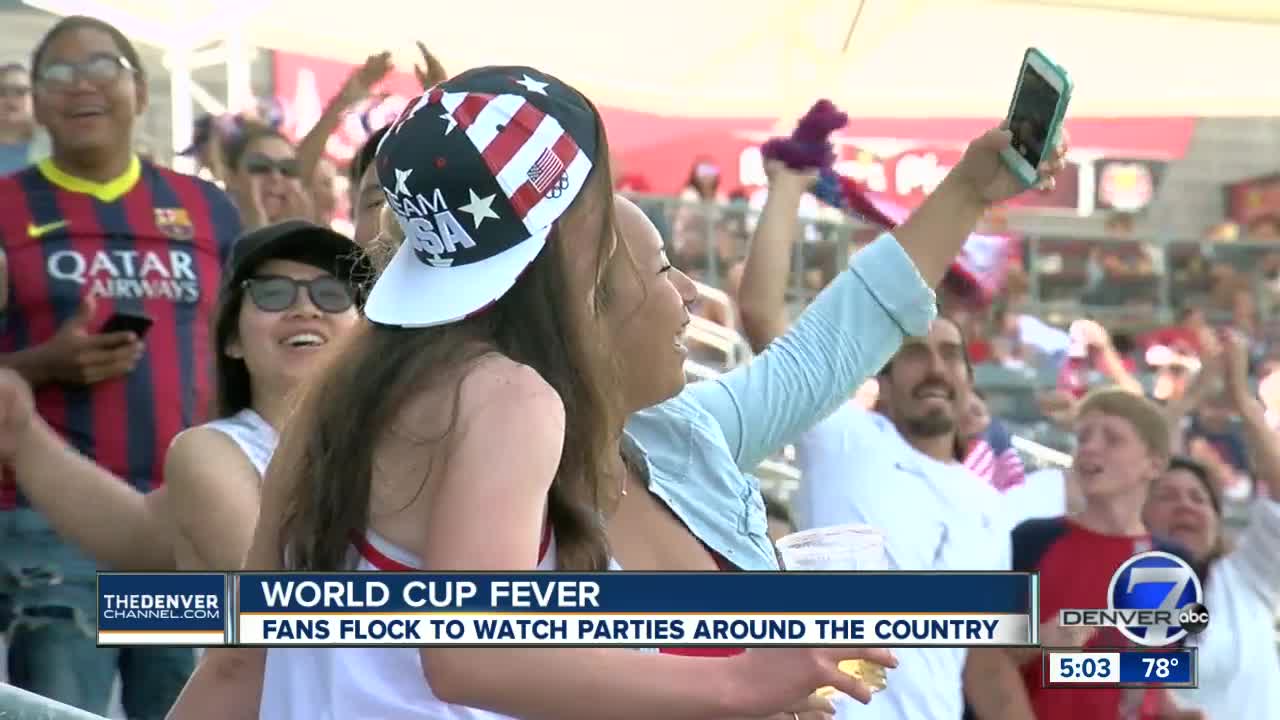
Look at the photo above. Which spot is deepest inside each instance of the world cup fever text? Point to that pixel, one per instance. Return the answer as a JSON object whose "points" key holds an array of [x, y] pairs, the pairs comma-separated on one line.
{"points": [[334, 594]]}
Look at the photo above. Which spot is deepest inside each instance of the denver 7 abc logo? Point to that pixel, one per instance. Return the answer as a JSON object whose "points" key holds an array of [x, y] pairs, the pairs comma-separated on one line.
{"points": [[1154, 599]]}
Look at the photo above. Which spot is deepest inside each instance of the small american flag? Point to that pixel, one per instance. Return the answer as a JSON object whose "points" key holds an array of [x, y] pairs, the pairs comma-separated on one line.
{"points": [[984, 262], [993, 458], [546, 171]]}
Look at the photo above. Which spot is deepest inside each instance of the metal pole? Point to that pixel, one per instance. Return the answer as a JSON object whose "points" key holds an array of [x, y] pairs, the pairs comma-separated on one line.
{"points": [[239, 80], [181, 117]]}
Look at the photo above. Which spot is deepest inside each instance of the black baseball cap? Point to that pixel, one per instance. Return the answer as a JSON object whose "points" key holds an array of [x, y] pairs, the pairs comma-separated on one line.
{"points": [[476, 172], [298, 240]]}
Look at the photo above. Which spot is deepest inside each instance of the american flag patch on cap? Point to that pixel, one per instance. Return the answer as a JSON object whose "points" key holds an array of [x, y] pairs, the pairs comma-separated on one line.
{"points": [[546, 171]]}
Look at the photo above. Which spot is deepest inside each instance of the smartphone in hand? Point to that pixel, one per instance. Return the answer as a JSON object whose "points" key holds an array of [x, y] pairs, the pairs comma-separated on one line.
{"points": [[128, 322], [1036, 114]]}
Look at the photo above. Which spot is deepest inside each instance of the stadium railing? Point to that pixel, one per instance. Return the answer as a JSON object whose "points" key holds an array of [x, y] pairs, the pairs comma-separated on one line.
{"points": [[17, 704], [1125, 283], [1041, 456], [719, 338]]}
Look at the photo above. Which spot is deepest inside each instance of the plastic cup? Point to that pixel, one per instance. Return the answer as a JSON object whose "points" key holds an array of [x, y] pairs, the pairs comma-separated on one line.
{"points": [[840, 547]]}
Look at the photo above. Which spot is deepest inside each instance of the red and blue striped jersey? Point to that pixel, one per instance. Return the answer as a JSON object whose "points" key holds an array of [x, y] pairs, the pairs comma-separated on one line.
{"points": [[152, 241]]}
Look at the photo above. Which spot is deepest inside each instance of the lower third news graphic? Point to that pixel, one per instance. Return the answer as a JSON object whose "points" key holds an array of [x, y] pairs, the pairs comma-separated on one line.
{"points": [[174, 609], [639, 610]]}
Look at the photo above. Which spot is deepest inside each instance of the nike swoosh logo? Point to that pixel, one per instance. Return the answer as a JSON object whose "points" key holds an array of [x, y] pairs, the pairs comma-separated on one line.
{"points": [[38, 230]]}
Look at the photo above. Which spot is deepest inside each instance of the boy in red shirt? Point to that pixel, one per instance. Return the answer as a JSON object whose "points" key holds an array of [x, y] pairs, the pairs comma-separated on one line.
{"points": [[1122, 445]]}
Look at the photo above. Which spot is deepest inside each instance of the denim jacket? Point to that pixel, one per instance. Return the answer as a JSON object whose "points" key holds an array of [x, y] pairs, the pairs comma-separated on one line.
{"points": [[699, 446]]}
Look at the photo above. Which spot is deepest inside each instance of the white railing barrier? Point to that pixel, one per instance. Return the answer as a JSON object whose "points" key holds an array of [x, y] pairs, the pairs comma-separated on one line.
{"points": [[697, 371], [1042, 454], [778, 479], [704, 332], [22, 705]]}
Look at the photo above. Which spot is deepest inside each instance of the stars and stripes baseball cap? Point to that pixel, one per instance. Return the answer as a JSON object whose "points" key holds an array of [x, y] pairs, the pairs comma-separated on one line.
{"points": [[476, 172]]}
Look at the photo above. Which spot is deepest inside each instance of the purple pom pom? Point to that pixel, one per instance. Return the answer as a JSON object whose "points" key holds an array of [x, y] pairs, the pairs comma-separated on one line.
{"points": [[809, 146], [817, 125]]}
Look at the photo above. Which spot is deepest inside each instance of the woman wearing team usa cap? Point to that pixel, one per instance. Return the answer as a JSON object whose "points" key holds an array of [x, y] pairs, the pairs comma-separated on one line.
{"points": [[478, 424]]}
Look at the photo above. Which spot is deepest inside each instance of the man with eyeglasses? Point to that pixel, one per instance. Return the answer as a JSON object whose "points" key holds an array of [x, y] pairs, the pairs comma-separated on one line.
{"points": [[18, 140], [90, 233]]}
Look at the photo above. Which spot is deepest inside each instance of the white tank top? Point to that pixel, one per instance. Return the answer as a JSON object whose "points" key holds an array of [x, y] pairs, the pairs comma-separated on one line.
{"points": [[365, 683], [256, 438]]}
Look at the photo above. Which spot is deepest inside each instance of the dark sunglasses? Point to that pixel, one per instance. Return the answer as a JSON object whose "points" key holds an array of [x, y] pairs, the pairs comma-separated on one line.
{"points": [[257, 164], [276, 293], [101, 69]]}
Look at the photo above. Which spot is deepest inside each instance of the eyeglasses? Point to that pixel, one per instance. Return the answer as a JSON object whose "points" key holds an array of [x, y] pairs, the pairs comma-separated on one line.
{"points": [[276, 293], [258, 164], [101, 69], [14, 91]]}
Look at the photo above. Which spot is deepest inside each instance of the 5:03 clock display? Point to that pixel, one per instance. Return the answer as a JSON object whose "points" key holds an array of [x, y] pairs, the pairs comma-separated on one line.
{"points": [[1094, 667], [1173, 667]]}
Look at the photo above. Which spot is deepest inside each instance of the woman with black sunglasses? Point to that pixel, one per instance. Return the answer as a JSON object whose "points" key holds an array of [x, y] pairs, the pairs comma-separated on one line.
{"points": [[285, 306], [265, 178]]}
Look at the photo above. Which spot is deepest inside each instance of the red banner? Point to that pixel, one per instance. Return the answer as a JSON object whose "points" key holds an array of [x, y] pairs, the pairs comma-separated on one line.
{"points": [[909, 177], [903, 159]]}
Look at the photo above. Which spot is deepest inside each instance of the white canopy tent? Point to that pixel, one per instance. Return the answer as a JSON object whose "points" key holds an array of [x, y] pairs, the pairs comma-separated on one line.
{"points": [[875, 58]]}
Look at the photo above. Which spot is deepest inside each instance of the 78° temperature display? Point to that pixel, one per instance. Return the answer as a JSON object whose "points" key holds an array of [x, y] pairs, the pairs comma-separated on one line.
{"points": [[1119, 668]]}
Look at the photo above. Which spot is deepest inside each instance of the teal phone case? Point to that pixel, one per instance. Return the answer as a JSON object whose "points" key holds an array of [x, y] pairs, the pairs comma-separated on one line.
{"points": [[1011, 158]]}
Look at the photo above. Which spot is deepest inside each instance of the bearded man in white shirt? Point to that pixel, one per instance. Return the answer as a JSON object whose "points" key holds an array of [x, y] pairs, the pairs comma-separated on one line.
{"points": [[901, 470]]}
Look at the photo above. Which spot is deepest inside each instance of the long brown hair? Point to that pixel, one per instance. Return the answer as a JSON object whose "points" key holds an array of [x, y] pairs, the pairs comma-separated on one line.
{"points": [[356, 402]]}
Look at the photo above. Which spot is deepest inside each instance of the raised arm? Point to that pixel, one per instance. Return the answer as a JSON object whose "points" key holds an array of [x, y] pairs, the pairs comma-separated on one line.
{"points": [[213, 500], [858, 322], [1177, 409], [85, 503], [1257, 553], [1106, 357], [356, 88], [762, 295]]}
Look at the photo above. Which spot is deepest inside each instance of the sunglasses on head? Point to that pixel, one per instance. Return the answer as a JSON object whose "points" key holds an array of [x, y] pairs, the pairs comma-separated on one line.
{"points": [[257, 164], [277, 293]]}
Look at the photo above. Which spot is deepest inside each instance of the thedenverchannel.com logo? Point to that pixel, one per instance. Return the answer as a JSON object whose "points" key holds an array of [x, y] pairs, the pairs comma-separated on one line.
{"points": [[1155, 599]]}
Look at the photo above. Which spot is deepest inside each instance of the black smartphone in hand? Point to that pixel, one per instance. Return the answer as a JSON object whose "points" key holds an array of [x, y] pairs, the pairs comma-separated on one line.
{"points": [[128, 322]]}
